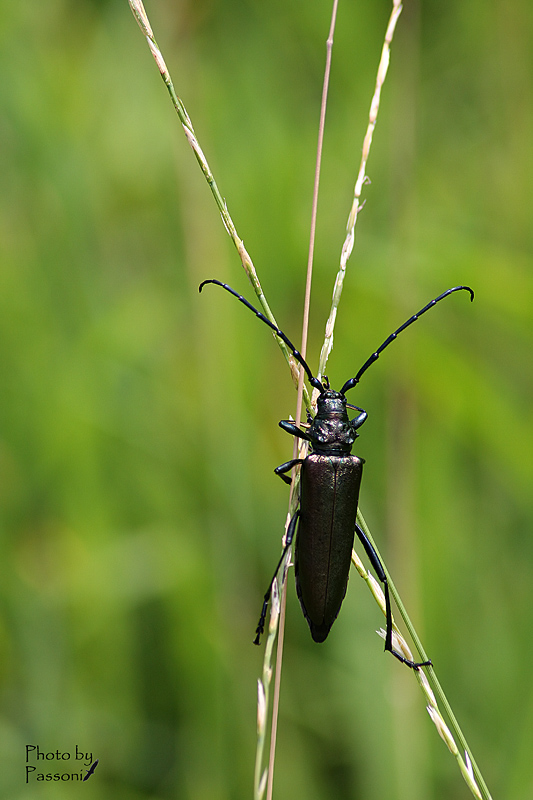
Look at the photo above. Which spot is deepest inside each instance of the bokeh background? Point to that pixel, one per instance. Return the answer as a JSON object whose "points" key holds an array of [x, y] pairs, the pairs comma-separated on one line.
{"points": [[141, 518]]}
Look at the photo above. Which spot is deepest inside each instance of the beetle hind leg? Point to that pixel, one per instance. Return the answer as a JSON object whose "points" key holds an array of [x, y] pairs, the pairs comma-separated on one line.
{"points": [[380, 572], [288, 541]]}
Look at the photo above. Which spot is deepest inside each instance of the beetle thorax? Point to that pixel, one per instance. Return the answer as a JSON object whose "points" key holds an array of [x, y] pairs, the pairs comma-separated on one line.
{"points": [[331, 430]]}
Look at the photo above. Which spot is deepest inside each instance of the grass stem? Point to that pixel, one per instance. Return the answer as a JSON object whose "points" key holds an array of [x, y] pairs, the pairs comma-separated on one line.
{"points": [[360, 182], [300, 447], [141, 16], [264, 779], [468, 766]]}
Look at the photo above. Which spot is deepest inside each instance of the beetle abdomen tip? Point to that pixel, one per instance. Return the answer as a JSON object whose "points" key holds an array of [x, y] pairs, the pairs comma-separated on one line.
{"points": [[319, 632]]}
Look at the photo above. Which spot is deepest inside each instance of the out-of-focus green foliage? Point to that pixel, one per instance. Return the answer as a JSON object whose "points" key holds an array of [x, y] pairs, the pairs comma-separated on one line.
{"points": [[138, 421]]}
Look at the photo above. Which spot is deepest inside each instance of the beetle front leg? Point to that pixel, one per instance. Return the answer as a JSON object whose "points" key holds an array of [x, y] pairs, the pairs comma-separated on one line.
{"points": [[380, 572], [290, 427], [288, 541]]}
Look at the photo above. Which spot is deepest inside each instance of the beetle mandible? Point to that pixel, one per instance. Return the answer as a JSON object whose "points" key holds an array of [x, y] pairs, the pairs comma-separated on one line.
{"points": [[330, 478]]}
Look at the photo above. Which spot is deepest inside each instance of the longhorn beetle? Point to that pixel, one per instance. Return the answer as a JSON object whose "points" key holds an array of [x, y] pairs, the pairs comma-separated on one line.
{"points": [[330, 478]]}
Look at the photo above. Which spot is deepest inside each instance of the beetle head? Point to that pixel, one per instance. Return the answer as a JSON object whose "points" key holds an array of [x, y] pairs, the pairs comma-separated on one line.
{"points": [[331, 405]]}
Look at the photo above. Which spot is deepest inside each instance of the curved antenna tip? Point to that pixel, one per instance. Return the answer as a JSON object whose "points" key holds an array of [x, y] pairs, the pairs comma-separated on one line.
{"points": [[354, 381], [466, 288], [298, 356]]}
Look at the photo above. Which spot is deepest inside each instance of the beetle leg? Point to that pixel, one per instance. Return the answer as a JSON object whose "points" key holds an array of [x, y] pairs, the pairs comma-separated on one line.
{"points": [[294, 430], [357, 421], [288, 541], [286, 467], [380, 572]]}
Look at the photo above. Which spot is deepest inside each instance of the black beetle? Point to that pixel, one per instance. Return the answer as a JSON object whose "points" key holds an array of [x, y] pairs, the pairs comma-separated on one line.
{"points": [[330, 479]]}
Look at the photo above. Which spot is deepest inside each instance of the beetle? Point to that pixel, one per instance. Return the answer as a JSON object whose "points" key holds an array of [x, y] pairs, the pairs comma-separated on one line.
{"points": [[330, 479]]}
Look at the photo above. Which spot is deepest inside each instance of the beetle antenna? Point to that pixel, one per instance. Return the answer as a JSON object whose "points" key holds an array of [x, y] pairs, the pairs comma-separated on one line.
{"points": [[354, 381], [298, 356]]}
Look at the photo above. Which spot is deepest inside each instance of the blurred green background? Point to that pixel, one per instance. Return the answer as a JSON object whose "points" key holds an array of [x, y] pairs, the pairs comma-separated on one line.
{"points": [[141, 518]]}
